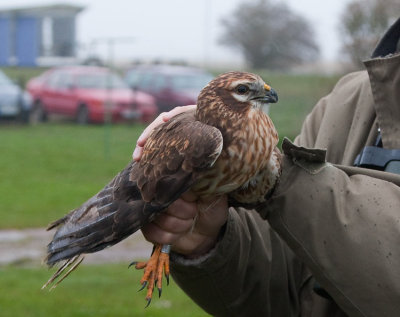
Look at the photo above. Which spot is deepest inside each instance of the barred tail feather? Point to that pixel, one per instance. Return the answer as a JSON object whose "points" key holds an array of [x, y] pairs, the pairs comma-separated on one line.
{"points": [[110, 216]]}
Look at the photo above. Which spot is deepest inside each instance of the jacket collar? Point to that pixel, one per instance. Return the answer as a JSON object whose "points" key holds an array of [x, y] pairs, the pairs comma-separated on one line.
{"points": [[384, 74]]}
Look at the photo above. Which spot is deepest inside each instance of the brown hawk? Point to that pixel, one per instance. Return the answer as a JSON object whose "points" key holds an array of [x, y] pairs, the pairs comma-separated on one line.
{"points": [[226, 146]]}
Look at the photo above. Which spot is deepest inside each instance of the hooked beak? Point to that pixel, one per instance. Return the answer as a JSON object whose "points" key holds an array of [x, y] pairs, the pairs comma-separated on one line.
{"points": [[270, 96]]}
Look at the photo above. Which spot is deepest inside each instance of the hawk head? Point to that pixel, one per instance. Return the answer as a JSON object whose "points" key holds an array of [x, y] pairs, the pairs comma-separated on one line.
{"points": [[237, 92]]}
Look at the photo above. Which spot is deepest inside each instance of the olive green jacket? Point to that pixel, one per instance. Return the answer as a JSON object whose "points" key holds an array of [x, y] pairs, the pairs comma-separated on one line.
{"points": [[327, 223]]}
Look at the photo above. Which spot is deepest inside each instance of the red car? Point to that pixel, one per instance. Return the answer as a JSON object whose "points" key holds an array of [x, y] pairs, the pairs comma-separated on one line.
{"points": [[170, 85], [88, 94]]}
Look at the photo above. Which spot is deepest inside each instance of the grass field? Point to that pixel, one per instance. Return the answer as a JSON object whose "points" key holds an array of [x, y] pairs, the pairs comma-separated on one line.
{"points": [[106, 290], [47, 170]]}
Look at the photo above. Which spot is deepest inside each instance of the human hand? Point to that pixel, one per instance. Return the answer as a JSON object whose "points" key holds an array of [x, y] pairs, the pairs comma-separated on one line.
{"points": [[162, 117], [190, 225]]}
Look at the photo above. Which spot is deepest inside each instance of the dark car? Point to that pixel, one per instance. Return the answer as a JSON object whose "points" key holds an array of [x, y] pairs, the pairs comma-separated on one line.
{"points": [[15, 103], [88, 94], [171, 85]]}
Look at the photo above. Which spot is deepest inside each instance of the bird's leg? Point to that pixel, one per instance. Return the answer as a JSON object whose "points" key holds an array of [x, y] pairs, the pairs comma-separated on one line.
{"points": [[153, 270], [163, 266]]}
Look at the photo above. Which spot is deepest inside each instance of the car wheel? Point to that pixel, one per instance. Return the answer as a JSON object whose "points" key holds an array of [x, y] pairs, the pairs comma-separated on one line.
{"points": [[82, 116], [38, 114]]}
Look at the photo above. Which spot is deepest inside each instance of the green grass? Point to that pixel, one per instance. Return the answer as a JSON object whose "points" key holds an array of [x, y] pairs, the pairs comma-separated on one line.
{"points": [[106, 290], [50, 169]]}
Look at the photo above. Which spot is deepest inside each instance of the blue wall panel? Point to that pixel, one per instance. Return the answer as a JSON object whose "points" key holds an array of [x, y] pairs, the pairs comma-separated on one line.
{"points": [[26, 43], [4, 40]]}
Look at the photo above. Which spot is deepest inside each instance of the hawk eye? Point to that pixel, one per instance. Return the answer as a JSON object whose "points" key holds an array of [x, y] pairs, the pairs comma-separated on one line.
{"points": [[242, 89]]}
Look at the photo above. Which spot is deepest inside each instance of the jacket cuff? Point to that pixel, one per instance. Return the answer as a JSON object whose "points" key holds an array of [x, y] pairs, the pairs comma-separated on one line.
{"points": [[310, 160]]}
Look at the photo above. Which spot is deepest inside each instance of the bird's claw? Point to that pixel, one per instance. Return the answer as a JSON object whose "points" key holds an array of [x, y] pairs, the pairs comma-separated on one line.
{"points": [[132, 263], [148, 302], [143, 286], [154, 269], [167, 278]]}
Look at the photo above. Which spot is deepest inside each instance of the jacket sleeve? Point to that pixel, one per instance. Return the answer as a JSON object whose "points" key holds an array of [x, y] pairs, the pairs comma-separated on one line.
{"points": [[250, 272], [346, 229], [240, 277], [343, 223]]}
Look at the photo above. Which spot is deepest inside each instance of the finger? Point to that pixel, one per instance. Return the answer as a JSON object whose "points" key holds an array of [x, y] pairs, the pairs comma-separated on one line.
{"points": [[147, 131], [177, 110], [182, 209], [173, 224], [154, 234], [189, 196], [137, 153], [161, 118], [141, 141], [212, 215]]}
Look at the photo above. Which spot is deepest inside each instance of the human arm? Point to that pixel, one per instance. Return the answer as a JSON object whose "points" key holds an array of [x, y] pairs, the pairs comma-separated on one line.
{"points": [[345, 225], [344, 228]]}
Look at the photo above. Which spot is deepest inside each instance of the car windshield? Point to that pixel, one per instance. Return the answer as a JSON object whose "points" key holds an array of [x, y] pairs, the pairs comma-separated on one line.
{"points": [[190, 81], [100, 81], [4, 80]]}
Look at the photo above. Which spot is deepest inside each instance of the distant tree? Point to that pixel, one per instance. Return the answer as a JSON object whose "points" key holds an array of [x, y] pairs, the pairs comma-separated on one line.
{"points": [[269, 35], [362, 24]]}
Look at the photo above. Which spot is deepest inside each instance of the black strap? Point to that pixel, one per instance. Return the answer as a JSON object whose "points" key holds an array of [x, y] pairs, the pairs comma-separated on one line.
{"points": [[376, 157], [388, 44]]}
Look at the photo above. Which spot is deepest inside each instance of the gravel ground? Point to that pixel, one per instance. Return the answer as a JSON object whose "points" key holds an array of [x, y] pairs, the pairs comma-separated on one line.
{"points": [[28, 247]]}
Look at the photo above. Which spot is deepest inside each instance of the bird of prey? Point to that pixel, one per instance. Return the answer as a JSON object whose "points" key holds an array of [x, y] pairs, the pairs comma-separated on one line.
{"points": [[226, 146]]}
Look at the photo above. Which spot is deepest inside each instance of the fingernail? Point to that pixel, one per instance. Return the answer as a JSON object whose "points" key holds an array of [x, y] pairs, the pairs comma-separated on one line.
{"points": [[136, 154], [139, 141]]}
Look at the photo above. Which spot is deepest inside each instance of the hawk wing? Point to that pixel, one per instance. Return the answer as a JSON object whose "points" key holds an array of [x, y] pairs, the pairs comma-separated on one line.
{"points": [[173, 157]]}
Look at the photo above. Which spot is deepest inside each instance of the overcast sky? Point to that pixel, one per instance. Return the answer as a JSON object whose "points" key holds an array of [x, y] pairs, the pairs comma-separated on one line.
{"points": [[181, 29]]}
